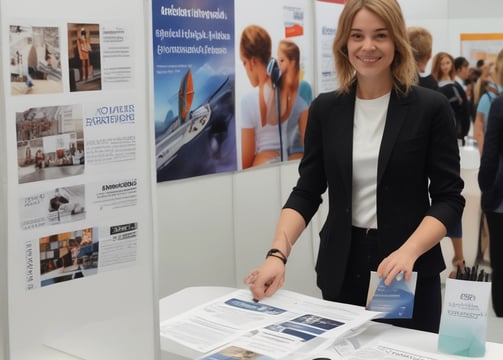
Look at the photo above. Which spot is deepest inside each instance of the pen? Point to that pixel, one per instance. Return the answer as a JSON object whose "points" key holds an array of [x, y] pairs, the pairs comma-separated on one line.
{"points": [[481, 275], [472, 273], [459, 274], [467, 273]]}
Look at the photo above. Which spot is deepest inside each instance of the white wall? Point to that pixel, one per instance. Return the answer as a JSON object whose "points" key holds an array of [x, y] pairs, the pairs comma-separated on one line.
{"points": [[214, 229]]}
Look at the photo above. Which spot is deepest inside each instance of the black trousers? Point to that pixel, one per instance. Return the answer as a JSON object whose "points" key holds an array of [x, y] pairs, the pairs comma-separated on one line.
{"points": [[495, 225], [363, 259]]}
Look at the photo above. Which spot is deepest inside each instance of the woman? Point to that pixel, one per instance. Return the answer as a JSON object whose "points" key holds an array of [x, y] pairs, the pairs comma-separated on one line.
{"points": [[295, 97], [382, 147], [491, 185], [259, 129], [442, 68]]}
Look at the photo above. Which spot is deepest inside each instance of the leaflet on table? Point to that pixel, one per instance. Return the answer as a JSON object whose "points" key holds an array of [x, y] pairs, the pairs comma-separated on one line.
{"points": [[339, 348], [273, 327]]}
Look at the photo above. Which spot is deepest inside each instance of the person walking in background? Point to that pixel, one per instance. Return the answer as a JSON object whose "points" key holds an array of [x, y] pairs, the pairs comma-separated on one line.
{"points": [[490, 180], [443, 70], [462, 111], [421, 42], [386, 150]]}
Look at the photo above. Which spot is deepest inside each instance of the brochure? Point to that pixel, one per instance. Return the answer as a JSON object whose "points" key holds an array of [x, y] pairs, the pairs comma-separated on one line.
{"points": [[395, 300]]}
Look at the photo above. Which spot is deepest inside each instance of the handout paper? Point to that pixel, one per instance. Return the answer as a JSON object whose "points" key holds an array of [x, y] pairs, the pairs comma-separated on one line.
{"points": [[274, 327]]}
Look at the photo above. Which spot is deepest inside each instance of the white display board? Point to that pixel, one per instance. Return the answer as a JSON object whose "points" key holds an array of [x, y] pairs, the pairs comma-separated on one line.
{"points": [[77, 183]]}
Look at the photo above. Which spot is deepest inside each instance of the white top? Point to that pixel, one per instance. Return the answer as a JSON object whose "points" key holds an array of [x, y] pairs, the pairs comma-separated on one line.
{"points": [[369, 120], [266, 137], [445, 82], [461, 82]]}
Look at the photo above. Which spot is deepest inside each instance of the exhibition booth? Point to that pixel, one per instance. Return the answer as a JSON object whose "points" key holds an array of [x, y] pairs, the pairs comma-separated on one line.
{"points": [[125, 197]]}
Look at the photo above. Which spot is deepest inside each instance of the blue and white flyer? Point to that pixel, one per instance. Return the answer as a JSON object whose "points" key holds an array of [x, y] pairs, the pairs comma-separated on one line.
{"points": [[395, 301]]}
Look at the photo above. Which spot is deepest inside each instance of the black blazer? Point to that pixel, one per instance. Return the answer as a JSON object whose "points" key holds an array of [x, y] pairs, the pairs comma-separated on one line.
{"points": [[418, 159], [491, 164], [460, 107]]}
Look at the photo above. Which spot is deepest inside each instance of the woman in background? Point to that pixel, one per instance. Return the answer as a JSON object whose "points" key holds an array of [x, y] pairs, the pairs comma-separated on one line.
{"points": [[442, 68]]}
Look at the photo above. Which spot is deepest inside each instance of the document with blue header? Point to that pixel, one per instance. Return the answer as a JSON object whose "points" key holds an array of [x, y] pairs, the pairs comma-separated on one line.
{"points": [[396, 300]]}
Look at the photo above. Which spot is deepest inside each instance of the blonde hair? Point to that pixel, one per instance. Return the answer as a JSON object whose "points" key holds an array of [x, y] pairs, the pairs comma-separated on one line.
{"points": [[403, 68], [421, 42], [498, 68]]}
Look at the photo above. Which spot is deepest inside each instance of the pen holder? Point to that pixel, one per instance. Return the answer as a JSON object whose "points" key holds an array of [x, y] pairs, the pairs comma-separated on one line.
{"points": [[463, 324]]}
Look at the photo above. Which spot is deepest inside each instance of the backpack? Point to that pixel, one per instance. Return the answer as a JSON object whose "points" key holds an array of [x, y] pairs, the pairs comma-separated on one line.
{"points": [[460, 107]]}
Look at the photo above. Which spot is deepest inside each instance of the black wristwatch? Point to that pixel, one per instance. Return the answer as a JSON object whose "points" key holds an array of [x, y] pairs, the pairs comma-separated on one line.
{"points": [[278, 254]]}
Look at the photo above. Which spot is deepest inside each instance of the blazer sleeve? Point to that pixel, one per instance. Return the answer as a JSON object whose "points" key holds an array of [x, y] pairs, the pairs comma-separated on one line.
{"points": [[443, 163], [305, 197]]}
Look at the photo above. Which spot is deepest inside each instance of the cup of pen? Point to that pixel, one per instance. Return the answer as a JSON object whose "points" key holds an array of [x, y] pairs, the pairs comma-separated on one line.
{"points": [[463, 324]]}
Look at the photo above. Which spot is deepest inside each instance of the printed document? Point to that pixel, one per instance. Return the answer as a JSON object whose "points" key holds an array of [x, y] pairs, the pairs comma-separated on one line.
{"points": [[277, 326]]}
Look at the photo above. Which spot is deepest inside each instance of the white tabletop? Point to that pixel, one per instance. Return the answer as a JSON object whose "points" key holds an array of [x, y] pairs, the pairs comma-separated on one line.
{"points": [[191, 297]]}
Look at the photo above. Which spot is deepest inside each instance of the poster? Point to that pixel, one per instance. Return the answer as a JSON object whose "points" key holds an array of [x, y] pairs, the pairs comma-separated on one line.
{"points": [[76, 155], [193, 65], [217, 105], [481, 46], [327, 15], [274, 80]]}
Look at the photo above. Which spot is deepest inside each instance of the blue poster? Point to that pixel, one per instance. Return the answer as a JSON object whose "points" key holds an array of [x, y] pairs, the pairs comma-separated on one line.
{"points": [[194, 98]]}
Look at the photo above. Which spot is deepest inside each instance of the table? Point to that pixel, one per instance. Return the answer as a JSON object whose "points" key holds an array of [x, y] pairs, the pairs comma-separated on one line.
{"points": [[191, 297]]}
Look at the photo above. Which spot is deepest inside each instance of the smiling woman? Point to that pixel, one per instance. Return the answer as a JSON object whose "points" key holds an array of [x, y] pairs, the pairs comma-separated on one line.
{"points": [[373, 144], [384, 36]]}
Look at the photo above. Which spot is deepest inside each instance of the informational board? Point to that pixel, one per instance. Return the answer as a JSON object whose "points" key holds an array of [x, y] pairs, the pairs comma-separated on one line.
{"points": [[77, 180]]}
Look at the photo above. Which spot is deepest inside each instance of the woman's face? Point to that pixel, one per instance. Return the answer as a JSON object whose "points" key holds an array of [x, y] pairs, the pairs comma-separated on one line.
{"points": [[248, 65], [371, 49], [445, 65], [283, 62]]}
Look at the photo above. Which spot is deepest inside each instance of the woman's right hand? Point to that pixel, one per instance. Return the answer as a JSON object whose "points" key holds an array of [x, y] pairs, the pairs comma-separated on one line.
{"points": [[267, 279]]}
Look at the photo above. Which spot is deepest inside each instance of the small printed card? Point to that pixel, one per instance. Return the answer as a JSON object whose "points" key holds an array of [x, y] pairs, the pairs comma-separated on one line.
{"points": [[395, 301], [463, 324]]}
